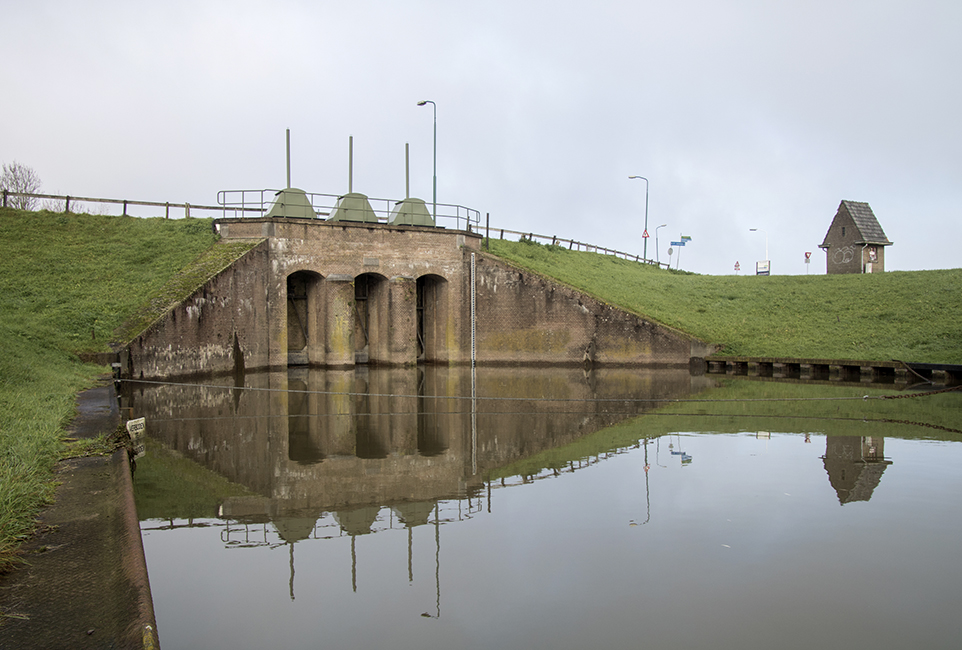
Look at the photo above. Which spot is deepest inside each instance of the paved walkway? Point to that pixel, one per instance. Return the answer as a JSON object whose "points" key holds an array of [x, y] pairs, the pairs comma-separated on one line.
{"points": [[86, 582]]}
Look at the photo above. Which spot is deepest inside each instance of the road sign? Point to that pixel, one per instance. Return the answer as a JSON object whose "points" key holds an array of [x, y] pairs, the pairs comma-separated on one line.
{"points": [[762, 268], [808, 256], [685, 238], [738, 266], [645, 236], [677, 243]]}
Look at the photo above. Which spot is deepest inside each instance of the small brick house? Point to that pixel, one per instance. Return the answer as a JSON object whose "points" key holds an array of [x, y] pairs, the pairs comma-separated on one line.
{"points": [[855, 242]]}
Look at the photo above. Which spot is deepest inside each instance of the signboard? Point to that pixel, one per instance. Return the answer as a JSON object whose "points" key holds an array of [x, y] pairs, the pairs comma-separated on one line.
{"points": [[738, 266], [645, 235], [808, 258], [762, 268], [685, 238], [138, 436], [677, 243]]}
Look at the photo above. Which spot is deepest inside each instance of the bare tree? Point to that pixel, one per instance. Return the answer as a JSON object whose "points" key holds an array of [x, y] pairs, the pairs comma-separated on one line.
{"points": [[17, 177]]}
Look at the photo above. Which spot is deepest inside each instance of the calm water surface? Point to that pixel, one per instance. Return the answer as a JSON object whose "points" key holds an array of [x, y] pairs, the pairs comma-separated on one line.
{"points": [[554, 509]]}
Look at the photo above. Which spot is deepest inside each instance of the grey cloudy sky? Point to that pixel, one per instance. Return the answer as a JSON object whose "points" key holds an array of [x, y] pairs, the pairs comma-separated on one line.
{"points": [[742, 114]]}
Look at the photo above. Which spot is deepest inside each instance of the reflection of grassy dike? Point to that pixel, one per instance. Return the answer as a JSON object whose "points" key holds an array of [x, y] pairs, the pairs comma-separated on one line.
{"points": [[68, 282], [743, 405]]}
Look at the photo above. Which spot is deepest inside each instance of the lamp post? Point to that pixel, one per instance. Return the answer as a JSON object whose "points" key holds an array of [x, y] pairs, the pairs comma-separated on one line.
{"points": [[435, 106], [645, 254], [657, 259]]}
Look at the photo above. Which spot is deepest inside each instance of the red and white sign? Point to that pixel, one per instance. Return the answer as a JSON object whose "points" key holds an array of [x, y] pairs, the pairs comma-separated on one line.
{"points": [[645, 236], [808, 256], [738, 266]]}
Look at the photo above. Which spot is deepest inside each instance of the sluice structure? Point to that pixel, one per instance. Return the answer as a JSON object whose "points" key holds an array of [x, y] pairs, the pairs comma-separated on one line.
{"points": [[339, 293]]}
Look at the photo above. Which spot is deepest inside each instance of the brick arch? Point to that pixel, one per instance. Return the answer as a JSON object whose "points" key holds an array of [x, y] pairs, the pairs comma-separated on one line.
{"points": [[371, 318], [305, 317], [432, 309]]}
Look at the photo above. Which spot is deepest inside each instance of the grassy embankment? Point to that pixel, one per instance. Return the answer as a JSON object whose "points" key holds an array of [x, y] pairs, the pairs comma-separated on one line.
{"points": [[67, 283], [912, 316]]}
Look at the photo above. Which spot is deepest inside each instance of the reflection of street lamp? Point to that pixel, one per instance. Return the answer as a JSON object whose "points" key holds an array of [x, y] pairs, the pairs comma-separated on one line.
{"points": [[422, 103], [645, 254], [766, 241], [656, 243]]}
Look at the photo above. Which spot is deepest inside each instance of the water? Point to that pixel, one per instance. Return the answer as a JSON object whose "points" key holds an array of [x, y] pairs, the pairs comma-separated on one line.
{"points": [[554, 509]]}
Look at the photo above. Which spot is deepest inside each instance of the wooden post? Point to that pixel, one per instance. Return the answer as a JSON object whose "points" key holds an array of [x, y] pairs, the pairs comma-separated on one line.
{"points": [[66, 205], [187, 209], [167, 210], [125, 207]]}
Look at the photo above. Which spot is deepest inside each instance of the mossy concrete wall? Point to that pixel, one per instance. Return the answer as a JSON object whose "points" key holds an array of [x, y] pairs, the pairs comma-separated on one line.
{"points": [[387, 295]]}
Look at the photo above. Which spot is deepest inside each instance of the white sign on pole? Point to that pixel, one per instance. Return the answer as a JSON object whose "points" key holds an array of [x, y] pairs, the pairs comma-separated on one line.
{"points": [[762, 268], [138, 436]]}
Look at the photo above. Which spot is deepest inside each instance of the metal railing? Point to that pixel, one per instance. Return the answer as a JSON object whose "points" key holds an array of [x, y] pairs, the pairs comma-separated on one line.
{"points": [[571, 244], [247, 203], [256, 203]]}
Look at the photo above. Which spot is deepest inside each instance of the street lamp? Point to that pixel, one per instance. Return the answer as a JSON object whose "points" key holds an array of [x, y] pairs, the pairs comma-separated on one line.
{"points": [[422, 103], [657, 259], [645, 255]]}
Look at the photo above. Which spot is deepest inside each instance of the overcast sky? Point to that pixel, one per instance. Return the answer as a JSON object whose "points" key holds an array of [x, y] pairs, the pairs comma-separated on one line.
{"points": [[741, 114]]}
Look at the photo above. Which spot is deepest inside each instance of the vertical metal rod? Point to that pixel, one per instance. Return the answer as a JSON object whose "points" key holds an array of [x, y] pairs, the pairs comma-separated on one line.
{"points": [[474, 354], [350, 164], [407, 170], [487, 231], [288, 158]]}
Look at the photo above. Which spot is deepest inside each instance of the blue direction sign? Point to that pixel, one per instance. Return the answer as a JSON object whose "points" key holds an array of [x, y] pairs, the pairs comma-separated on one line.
{"points": [[678, 243]]}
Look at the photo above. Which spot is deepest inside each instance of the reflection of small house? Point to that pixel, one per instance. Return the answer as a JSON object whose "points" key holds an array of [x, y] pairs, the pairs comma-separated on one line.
{"points": [[855, 242], [854, 465]]}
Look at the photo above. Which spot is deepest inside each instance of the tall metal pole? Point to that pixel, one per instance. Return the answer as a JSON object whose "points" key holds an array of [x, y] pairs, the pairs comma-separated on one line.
{"points": [[288, 158], [657, 259], [645, 254], [435, 106]]}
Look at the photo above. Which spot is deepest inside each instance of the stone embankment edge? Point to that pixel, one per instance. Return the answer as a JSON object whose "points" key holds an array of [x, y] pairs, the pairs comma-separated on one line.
{"points": [[66, 587], [134, 560]]}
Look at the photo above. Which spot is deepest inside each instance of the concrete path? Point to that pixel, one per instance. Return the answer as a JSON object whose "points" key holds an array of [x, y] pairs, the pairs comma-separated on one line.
{"points": [[86, 582]]}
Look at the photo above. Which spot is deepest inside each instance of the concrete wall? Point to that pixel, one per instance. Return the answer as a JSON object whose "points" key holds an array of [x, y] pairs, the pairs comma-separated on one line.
{"points": [[524, 318], [357, 295]]}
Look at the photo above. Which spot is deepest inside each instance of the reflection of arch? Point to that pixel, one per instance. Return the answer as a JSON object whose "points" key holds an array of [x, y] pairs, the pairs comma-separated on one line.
{"points": [[304, 307], [432, 295], [371, 433], [432, 440], [302, 447], [370, 318]]}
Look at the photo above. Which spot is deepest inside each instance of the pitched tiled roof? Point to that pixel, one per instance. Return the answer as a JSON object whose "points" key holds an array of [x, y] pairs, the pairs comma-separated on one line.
{"points": [[868, 226], [869, 230]]}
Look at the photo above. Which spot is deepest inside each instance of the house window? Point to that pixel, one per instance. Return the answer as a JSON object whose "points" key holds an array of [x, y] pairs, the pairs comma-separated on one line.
{"points": [[843, 231]]}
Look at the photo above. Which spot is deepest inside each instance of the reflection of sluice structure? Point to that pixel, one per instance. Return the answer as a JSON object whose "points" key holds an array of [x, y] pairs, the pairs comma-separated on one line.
{"points": [[854, 465], [333, 453], [329, 440]]}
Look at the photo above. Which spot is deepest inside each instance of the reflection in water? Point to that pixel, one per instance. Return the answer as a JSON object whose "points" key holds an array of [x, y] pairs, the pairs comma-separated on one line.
{"points": [[855, 465], [361, 470]]}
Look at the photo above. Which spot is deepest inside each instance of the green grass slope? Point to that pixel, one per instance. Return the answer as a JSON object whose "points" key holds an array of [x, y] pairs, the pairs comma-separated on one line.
{"points": [[912, 316], [67, 282]]}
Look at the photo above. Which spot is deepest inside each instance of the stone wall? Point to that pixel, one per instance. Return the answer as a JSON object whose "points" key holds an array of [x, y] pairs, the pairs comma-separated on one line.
{"points": [[337, 294]]}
